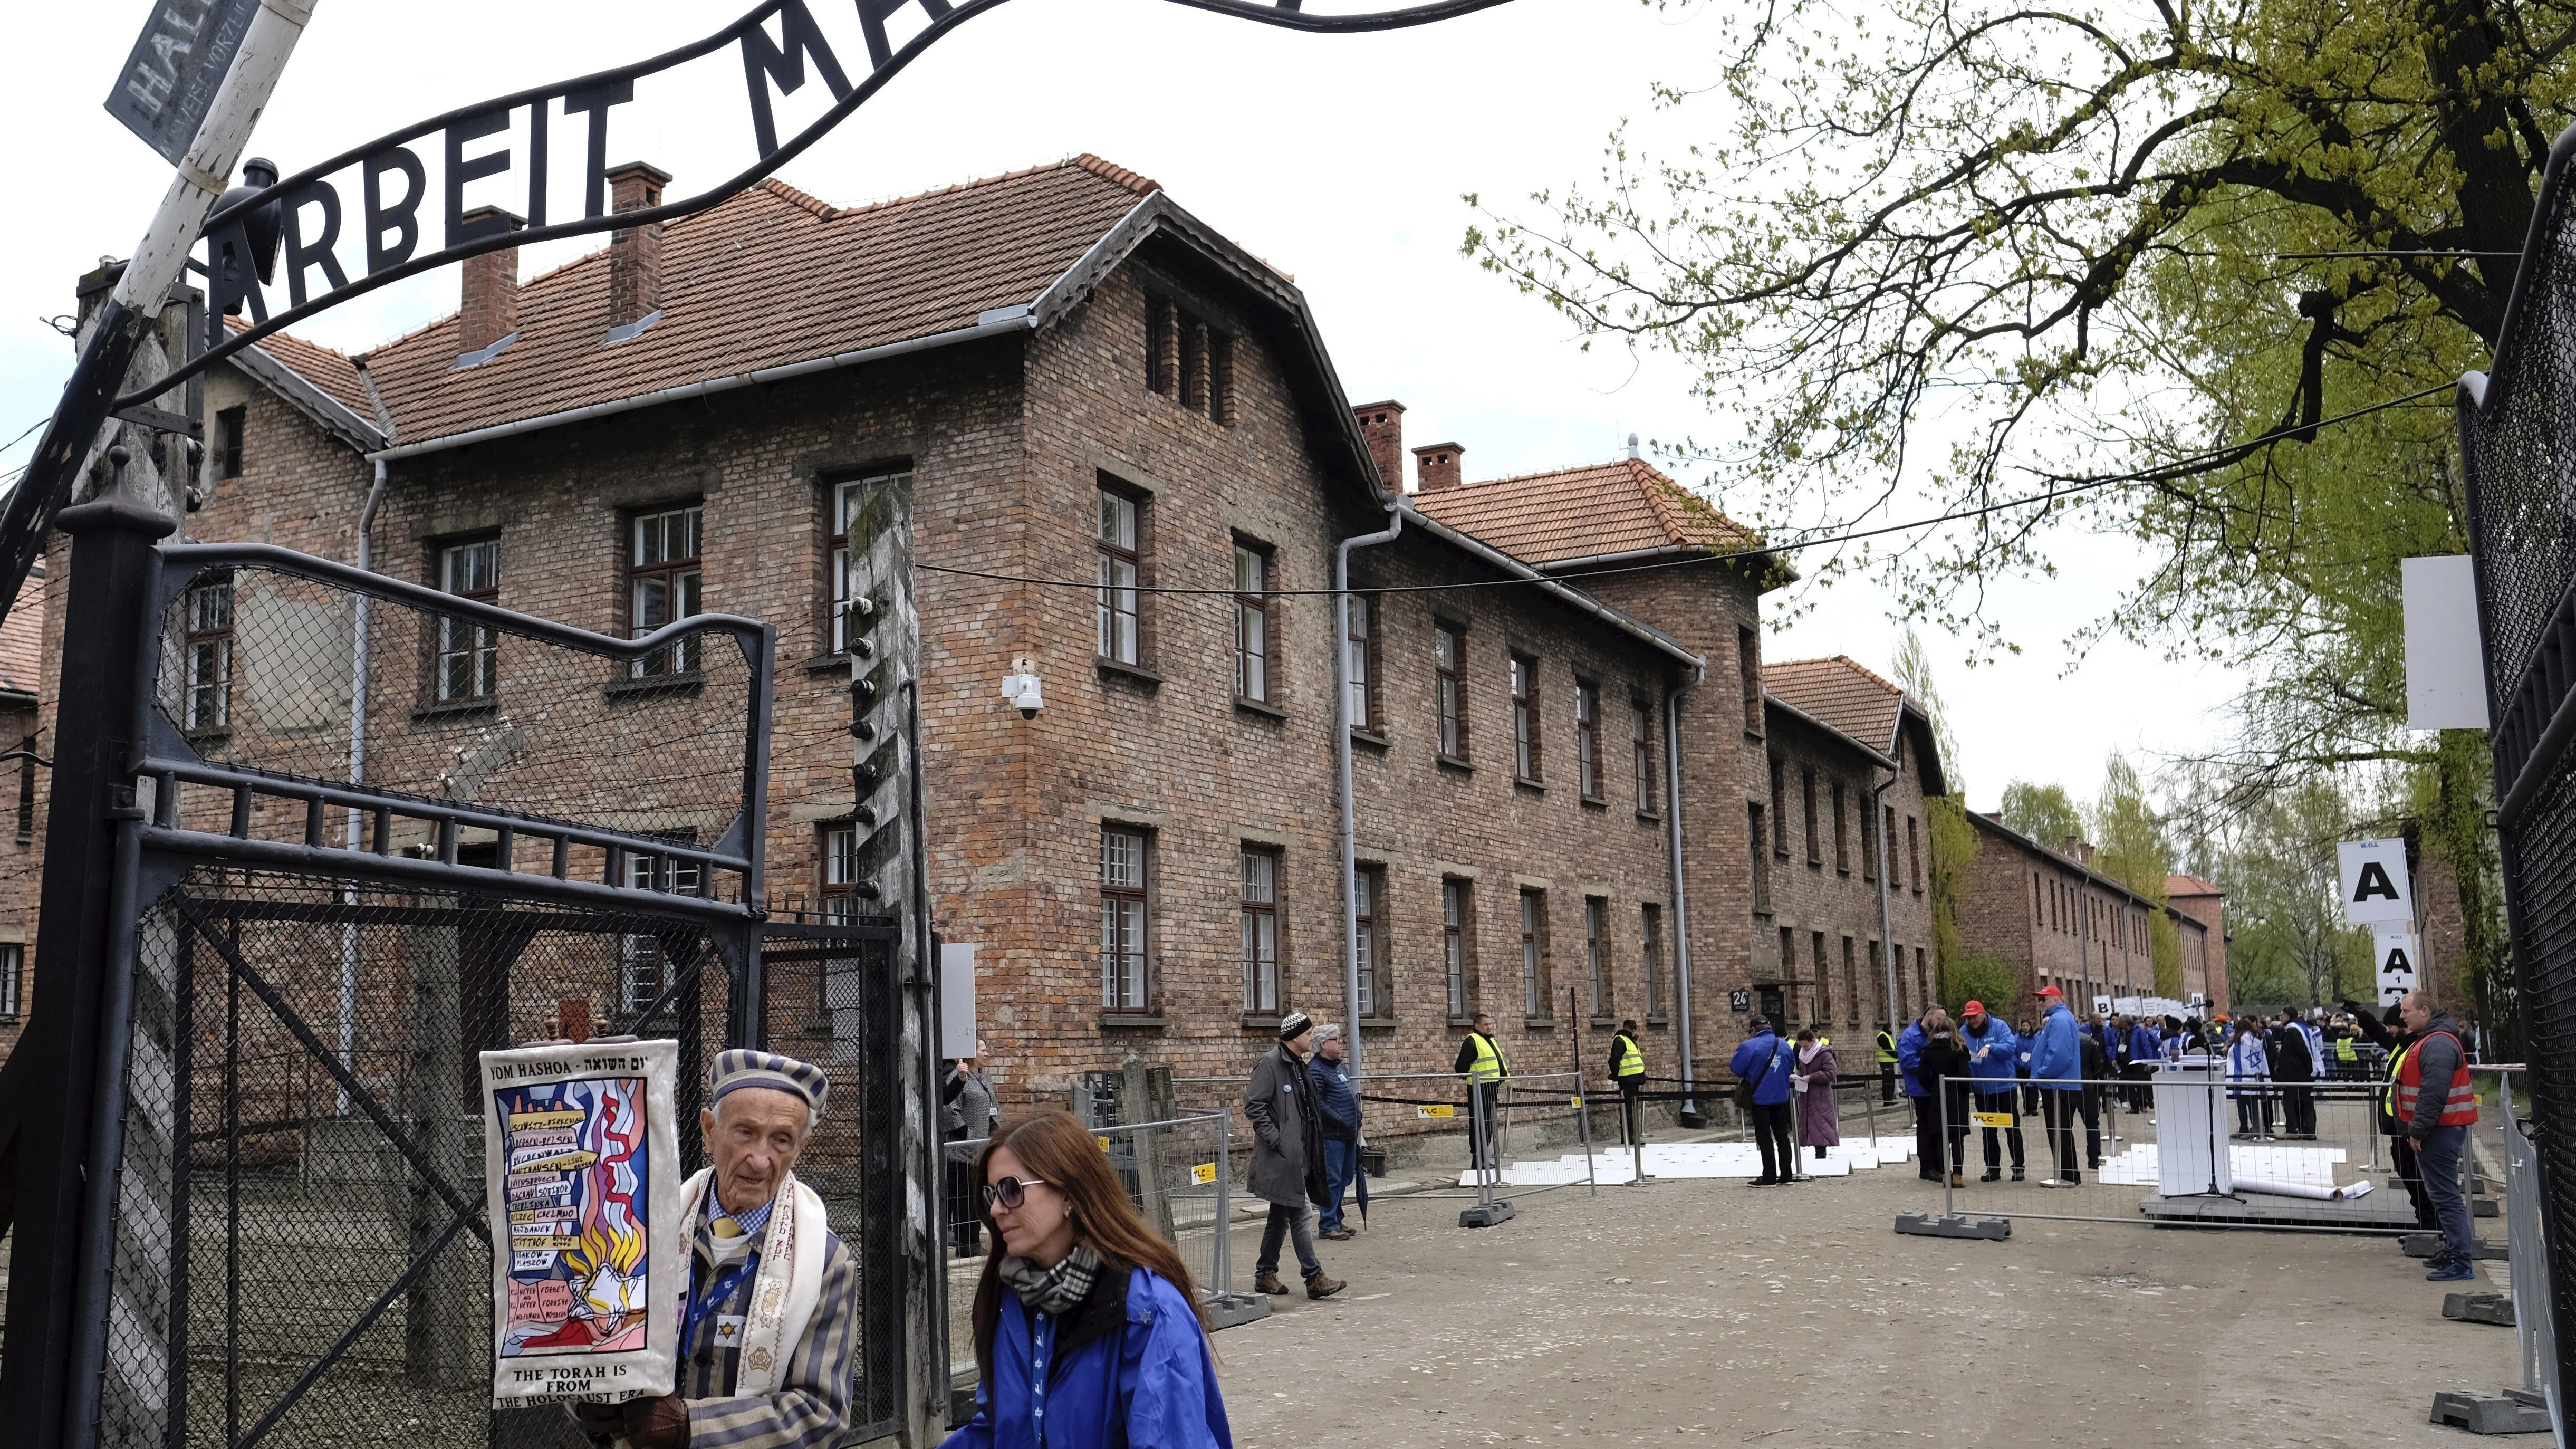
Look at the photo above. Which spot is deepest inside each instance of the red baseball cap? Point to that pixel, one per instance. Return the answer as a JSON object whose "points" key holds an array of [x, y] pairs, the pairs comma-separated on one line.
{"points": [[2052, 991], [1975, 1006]]}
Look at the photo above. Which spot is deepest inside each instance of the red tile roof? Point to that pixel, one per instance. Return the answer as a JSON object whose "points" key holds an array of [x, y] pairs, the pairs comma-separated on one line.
{"points": [[1840, 692], [330, 371], [2192, 885], [768, 277], [1622, 506]]}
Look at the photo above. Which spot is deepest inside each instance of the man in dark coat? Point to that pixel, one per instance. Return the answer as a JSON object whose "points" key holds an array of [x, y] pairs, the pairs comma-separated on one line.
{"points": [[1287, 1156]]}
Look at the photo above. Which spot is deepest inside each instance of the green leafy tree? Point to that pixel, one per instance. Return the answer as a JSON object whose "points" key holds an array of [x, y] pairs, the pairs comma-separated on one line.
{"points": [[1953, 840], [2150, 238], [2045, 813], [2131, 846], [1984, 977]]}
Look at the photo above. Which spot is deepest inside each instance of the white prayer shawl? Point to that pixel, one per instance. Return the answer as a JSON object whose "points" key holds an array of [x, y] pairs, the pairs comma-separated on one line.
{"points": [[788, 1287]]}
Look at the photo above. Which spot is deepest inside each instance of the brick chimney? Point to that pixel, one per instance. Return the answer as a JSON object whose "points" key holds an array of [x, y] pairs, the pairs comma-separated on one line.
{"points": [[1437, 465], [1382, 423], [490, 309], [635, 252], [2077, 851]]}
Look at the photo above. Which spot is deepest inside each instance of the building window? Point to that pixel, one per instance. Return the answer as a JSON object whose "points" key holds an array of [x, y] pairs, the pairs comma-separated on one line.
{"points": [[1189, 361], [209, 643], [1892, 861], [1123, 986], [665, 583], [1448, 652], [1780, 807], [1162, 349], [1260, 931], [2038, 911], [1456, 952], [1359, 651], [1788, 959], [1748, 674], [1851, 984], [1587, 738], [1377, 977], [13, 975], [230, 424], [1121, 518], [1824, 981], [1525, 755], [1252, 632], [1650, 956], [1761, 861], [27, 789], [841, 885], [1534, 999], [1815, 840], [1842, 836], [646, 871], [1641, 749], [1596, 951], [1922, 977], [853, 534], [468, 665], [1913, 856]]}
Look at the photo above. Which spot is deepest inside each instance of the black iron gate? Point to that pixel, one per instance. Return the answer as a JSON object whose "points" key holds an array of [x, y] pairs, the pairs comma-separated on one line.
{"points": [[2518, 446], [356, 832]]}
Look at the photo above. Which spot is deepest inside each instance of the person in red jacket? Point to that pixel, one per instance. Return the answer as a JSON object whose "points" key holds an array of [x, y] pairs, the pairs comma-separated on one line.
{"points": [[2437, 1107]]}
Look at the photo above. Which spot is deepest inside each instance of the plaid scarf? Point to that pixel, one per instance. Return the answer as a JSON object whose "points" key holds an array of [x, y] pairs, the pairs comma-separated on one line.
{"points": [[1053, 1290]]}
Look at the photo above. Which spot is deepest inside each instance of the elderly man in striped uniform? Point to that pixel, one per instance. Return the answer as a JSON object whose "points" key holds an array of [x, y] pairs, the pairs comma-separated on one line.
{"points": [[771, 1317]]}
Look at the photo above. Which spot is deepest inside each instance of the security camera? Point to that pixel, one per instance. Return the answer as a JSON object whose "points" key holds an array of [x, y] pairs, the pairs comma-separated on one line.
{"points": [[1022, 691]]}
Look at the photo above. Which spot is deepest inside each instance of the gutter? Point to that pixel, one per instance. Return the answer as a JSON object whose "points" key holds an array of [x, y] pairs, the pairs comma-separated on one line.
{"points": [[1886, 927], [999, 322], [1395, 512]]}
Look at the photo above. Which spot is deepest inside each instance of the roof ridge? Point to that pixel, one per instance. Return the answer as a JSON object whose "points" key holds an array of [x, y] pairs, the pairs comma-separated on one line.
{"points": [[1847, 662], [822, 209], [1106, 170], [1112, 171], [242, 324]]}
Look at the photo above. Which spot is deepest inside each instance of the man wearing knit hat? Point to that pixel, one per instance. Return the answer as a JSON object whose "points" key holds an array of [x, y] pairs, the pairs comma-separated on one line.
{"points": [[770, 1320], [1287, 1156]]}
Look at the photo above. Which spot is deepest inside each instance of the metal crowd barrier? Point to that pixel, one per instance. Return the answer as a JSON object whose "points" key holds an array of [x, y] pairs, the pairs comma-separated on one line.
{"points": [[2207, 1152]]}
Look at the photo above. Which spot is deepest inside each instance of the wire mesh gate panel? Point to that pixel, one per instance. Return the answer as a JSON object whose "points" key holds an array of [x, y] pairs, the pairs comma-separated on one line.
{"points": [[2518, 448], [377, 829]]}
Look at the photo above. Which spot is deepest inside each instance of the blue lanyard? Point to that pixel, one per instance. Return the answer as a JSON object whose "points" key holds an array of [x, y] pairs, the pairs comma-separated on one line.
{"points": [[714, 1298]]}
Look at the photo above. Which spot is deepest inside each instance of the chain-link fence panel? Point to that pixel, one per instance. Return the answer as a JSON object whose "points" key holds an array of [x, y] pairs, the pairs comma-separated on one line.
{"points": [[470, 711], [300, 1254]]}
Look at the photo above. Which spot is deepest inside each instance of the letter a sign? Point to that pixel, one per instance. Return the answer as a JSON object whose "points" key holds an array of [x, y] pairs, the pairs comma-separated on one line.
{"points": [[2375, 889], [2399, 962]]}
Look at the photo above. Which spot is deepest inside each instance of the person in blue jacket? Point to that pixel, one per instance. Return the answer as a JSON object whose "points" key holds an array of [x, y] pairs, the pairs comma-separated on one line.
{"points": [[1086, 1324], [2057, 1073], [2146, 1048], [1994, 1065], [1764, 1061], [1927, 1121]]}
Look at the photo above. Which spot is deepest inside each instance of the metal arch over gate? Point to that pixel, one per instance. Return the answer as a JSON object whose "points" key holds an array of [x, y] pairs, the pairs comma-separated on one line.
{"points": [[244, 227]]}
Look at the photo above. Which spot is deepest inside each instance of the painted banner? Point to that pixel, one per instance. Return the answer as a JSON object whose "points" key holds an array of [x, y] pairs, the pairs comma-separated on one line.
{"points": [[581, 1167]]}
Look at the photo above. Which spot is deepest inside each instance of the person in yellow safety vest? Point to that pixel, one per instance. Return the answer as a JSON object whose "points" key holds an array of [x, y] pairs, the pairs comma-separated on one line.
{"points": [[1628, 1070], [1886, 1067], [2439, 1120], [1481, 1062]]}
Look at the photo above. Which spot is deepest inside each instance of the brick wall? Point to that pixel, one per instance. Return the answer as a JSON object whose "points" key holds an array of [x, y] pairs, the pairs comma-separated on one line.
{"points": [[2056, 923]]}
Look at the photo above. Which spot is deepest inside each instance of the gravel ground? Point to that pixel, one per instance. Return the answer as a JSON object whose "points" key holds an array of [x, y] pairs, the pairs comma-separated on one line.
{"points": [[1699, 1311]]}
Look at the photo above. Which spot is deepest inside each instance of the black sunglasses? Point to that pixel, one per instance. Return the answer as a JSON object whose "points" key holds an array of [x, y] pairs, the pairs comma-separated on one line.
{"points": [[1010, 1192]]}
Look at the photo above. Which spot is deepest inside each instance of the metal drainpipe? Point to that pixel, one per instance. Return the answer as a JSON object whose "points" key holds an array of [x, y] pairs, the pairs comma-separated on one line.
{"points": [[1342, 756], [1681, 906], [1886, 932], [357, 775]]}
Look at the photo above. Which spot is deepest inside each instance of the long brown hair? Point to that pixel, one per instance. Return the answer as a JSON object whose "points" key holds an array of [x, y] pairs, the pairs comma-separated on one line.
{"points": [[1063, 1152]]}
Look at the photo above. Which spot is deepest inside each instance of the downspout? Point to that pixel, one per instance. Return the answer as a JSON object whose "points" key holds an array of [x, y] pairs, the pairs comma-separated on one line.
{"points": [[1681, 906], [1342, 759], [357, 775], [1886, 931]]}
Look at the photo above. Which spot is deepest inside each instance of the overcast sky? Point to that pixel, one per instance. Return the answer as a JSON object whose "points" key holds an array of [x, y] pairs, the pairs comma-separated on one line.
{"points": [[1341, 159]]}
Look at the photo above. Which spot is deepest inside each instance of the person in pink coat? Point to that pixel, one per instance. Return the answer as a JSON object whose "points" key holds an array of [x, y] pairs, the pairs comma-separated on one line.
{"points": [[1812, 1084]]}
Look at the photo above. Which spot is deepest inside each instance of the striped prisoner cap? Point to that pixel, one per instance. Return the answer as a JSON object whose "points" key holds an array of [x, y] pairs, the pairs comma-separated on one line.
{"points": [[742, 1067]]}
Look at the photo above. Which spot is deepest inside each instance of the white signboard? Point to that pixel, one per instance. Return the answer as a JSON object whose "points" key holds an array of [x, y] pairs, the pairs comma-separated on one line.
{"points": [[2446, 678], [2400, 961], [956, 999], [581, 1164], [2101, 1006], [2375, 888]]}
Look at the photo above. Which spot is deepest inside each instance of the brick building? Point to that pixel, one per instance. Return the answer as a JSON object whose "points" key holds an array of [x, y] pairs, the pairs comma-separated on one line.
{"points": [[22, 676], [1087, 395], [2204, 952], [2050, 915]]}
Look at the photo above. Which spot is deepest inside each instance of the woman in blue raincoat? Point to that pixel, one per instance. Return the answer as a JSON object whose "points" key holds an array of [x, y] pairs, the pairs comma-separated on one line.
{"points": [[1086, 1323]]}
